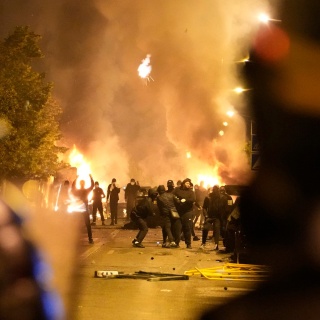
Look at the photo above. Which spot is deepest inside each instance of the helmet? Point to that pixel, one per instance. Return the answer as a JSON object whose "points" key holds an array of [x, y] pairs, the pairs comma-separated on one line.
{"points": [[170, 183]]}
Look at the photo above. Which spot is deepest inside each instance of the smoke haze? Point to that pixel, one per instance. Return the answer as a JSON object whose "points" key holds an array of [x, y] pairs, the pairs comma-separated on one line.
{"points": [[127, 126]]}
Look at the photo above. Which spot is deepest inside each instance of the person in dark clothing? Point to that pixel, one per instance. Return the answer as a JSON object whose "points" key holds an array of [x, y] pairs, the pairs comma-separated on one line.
{"points": [[226, 210], [196, 205], [200, 192], [143, 208], [170, 185], [178, 186], [185, 208], [171, 228], [212, 208], [233, 226], [113, 198], [82, 194], [176, 226], [130, 196], [97, 197]]}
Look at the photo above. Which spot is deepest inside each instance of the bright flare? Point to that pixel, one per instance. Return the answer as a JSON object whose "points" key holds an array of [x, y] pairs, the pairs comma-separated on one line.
{"points": [[238, 90], [221, 133], [264, 18], [188, 154], [225, 123], [230, 114], [145, 68], [209, 181], [76, 159]]}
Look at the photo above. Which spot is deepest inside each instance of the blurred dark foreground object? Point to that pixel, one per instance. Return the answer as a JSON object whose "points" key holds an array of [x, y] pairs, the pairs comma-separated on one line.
{"points": [[280, 211], [24, 275]]}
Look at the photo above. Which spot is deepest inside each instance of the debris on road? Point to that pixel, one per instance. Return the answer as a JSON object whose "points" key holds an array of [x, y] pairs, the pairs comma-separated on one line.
{"points": [[149, 276], [233, 271]]}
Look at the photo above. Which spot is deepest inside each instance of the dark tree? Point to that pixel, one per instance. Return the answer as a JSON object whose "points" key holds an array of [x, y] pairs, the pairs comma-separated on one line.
{"points": [[29, 116]]}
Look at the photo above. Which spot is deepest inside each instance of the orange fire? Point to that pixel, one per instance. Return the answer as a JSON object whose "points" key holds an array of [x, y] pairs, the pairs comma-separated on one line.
{"points": [[76, 159], [210, 177], [209, 181]]}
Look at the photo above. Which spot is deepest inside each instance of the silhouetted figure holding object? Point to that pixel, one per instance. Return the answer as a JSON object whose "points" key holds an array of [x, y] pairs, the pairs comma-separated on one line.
{"points": [[82, 194]]}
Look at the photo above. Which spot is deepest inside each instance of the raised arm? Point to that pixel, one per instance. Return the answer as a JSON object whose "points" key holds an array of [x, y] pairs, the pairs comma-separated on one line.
{"points": [[92, 183]]}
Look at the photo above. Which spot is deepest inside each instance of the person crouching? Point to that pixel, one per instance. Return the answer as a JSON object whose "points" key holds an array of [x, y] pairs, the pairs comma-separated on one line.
{"points": [[143, 209]]}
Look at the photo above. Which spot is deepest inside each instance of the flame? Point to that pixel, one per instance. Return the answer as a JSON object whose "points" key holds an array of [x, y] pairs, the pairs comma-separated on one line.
{"points": [[209, 180], [145, 68], [76, 159], [210, 177]]}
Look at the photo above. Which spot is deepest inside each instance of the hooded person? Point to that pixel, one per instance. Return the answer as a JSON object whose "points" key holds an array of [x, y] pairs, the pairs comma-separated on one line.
{"points": [[185, 208], [113, 198], [139, 214], [171, 226], [130, 195]]}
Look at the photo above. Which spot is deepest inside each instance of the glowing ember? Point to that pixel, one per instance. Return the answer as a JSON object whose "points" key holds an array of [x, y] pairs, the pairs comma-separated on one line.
{"points": [[145, 68], [221, 133], [230, 114], [188, 154], [225, 123]]}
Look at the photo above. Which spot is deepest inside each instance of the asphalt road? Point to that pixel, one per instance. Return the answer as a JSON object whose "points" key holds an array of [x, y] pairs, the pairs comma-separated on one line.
{"points": [[122, 298]]}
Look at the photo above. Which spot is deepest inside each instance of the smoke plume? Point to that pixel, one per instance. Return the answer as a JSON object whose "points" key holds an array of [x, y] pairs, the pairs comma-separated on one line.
{"points": [[127, 126]]}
